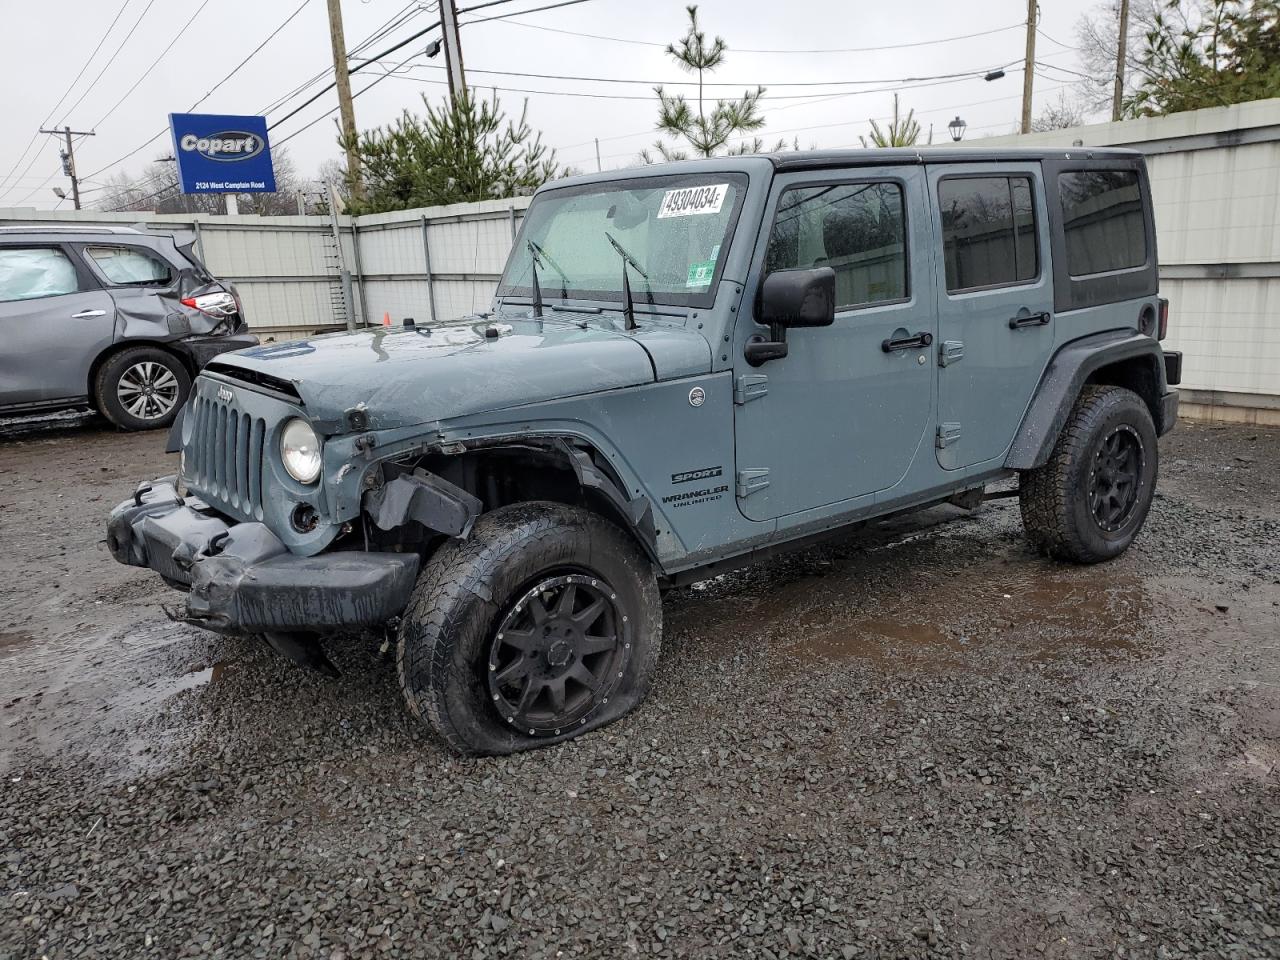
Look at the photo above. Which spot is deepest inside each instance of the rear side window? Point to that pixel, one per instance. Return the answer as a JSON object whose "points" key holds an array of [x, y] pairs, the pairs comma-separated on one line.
{"points": [[1103, 219], [128, 265], [856, 229], [28, 273], [989, 236]]}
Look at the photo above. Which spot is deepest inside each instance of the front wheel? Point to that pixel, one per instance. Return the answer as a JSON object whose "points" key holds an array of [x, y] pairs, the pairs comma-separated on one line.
{"points": [[543, 624], [1088, 502]]}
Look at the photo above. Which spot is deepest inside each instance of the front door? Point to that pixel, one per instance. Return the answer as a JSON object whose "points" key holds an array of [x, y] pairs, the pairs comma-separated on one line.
{"points": [[995, 305], [843, 415], [53, 322]]}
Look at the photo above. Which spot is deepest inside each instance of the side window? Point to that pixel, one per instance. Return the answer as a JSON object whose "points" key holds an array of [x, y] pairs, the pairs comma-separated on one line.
{"points": [[1103, 220], [857, 229], [128, 265], [989, 234], [28, 273]]}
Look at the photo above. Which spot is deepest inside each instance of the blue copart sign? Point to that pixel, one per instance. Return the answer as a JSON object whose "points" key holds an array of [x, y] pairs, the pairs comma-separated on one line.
{"points": [[222, 154]]}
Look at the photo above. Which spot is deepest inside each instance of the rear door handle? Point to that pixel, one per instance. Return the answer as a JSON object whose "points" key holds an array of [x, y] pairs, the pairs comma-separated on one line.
{"points": [[88, 314], [1029, 320], [906, 343]]}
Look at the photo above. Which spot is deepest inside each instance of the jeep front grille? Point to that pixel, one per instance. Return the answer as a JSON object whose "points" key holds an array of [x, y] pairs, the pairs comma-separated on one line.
{"points": [[224, 456]]}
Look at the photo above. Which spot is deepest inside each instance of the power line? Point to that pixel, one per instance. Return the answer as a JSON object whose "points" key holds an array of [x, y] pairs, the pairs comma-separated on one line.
{"points": [[110, 60], [1074, 73], [54, 109], [806, 97], [289, 19], [395, 21], [1055, 42], [363, 89], [154, 63], [408, 40], [817, 126], [715, 83], [875, 49]]}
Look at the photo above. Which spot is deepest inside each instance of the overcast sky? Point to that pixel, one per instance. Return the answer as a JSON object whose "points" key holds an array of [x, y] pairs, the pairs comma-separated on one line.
{"points": [[47, 46]]}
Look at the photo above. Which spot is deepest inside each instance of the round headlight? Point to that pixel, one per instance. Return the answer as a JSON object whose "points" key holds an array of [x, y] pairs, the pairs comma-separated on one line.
{"points": [[300, 451]]}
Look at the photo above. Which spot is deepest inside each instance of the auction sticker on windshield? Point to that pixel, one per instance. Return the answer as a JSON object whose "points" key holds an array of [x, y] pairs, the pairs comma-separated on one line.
{"points": [[688, 201]]}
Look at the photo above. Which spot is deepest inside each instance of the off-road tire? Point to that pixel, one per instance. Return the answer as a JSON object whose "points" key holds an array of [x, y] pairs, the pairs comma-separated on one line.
{"points": [[1056, 509], [168, 370], [468, 589]]}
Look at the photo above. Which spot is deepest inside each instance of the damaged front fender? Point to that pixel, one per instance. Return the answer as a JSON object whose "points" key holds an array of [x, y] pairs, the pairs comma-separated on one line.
{"points": [[424, 498]]}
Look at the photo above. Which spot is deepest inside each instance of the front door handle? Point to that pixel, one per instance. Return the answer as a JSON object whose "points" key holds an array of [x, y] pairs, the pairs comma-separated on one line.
{"points": [[88, 314], [1029, 320], [906, 343]]}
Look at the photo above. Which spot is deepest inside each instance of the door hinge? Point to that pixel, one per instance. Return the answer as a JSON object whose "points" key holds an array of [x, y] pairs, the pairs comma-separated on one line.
{"points": [[950, 352], [750, 386], [948, 433], [752, 480]]}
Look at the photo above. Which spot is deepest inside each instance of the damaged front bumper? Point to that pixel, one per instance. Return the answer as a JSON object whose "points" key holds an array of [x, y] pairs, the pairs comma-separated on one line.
{"points": [[242, 579]]}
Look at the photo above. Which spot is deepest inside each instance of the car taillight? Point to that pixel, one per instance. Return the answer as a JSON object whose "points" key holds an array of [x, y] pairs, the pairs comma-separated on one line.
{"points": [[216, 305], [1163, 325]]}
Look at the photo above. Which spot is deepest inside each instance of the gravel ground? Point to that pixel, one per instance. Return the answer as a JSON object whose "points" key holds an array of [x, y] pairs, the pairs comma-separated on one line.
{"points": [[924, 742]]}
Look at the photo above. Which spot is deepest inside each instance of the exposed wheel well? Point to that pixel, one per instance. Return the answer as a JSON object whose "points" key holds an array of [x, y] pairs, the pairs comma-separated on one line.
{"points": [[561, 470], [120, 347], [1139, 374]]}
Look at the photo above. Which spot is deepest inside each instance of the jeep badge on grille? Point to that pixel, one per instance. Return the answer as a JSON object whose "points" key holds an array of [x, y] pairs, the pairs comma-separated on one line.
{"points": [[225, 394]]}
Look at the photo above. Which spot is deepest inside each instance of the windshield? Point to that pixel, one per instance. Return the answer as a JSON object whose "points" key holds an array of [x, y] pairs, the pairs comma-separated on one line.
{"points": [[675, 228]]}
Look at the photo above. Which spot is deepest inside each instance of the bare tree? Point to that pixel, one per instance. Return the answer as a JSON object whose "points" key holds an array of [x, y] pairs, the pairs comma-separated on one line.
{"points": [[1098, 37], [1058, 116], [158, 189]]}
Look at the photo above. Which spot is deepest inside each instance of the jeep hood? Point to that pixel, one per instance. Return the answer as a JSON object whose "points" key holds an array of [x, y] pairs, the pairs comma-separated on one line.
{"points": [[409, 376]]}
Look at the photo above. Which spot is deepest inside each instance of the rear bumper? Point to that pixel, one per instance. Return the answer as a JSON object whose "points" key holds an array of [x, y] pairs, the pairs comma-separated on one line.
{"points": [[242, 579], [201, 350]]}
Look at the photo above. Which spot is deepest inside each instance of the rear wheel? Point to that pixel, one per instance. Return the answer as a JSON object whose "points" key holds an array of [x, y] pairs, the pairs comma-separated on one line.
{"points": [[1088, 502], [141, 388], [542, 625]]}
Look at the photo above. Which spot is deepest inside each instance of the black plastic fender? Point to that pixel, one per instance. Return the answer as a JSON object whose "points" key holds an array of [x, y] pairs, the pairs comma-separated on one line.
{"points": [[1066, 375]]}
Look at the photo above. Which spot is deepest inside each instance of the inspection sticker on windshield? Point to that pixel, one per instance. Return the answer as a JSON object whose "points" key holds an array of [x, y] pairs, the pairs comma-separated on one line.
{"points": [[688, 201], [700, 274]]}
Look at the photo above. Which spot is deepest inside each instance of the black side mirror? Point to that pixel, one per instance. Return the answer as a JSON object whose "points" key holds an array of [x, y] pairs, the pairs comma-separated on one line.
{"points": [[799, 298], [792, 298]]}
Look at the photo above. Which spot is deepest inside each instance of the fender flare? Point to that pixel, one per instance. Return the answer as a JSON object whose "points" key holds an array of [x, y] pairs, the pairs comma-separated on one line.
{"points": [[1068, 372]]}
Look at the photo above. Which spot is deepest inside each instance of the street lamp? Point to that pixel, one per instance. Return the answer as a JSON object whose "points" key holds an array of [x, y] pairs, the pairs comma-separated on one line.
{"points": [[957, 127]]}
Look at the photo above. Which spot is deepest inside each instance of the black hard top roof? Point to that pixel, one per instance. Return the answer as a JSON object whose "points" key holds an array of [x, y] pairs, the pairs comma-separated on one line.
{"points": [[814, 159]]}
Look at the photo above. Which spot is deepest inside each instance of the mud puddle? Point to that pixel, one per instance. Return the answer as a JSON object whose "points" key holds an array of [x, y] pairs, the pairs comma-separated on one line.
{"points": [[113, 698]]}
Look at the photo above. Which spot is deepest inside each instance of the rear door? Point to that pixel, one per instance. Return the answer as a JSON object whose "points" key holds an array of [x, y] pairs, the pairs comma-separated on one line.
{"points": [[995, 304], [844, 413], [54, 320]]}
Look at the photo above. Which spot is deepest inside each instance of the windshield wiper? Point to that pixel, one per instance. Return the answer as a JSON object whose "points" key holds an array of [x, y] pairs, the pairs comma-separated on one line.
{"points": [[628, 308], [537, 287]]}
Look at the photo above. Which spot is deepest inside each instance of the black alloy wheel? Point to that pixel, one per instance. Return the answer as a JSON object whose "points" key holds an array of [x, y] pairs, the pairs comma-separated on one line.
{"points": [[1116, 476], [558, 653]]}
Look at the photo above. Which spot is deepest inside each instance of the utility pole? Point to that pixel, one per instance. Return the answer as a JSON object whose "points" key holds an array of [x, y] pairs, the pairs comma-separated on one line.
{"points": [[69, 158], [343, 78], [1029, 71], [452, 49], [598, 167], [1118, 102]]}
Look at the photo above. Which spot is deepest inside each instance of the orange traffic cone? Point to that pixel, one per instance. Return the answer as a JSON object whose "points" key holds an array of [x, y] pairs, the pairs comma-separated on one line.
{"points": [[386, 319]]}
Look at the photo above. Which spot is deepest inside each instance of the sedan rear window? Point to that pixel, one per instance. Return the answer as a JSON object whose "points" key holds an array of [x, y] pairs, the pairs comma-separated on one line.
{"points": [[27, 273], [128, 265]]}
